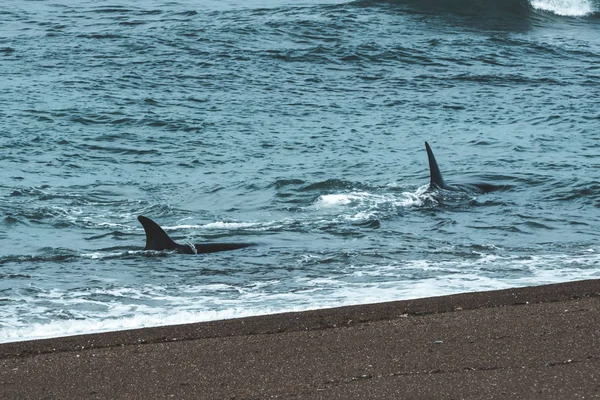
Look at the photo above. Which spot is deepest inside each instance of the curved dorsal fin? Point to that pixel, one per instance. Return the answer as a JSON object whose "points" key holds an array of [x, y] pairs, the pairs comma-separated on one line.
{"points": [[156, 237], [434, 170]]}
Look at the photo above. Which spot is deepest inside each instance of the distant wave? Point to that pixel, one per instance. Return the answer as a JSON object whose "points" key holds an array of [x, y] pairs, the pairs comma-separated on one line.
{"points": [[465, 7], [571, 8]]}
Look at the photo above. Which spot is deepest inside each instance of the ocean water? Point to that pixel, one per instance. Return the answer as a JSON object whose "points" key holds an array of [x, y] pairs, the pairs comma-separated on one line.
{"points": [[298, 126]]}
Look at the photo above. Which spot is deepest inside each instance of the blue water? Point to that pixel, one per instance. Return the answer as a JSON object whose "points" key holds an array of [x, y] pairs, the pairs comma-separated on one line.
{"points": [[299, 126]]}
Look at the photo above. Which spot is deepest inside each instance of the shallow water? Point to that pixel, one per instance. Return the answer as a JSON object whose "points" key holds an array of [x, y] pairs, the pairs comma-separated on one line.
{"points": [[300, 127]]}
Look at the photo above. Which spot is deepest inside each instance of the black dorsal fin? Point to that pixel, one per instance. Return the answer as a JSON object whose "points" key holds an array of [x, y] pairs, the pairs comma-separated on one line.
{"points": [[156, 237], [434, 170]]}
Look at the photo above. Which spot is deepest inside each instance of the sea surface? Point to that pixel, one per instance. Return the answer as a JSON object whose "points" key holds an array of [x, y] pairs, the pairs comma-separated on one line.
{"points": [[299, 126]]}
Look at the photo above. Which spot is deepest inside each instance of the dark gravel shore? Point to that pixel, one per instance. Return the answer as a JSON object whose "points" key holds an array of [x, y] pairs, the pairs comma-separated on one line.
{"points": [[537, 342]]}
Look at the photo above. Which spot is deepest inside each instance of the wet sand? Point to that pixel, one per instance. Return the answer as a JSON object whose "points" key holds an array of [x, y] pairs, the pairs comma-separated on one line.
{"points": [[536, 342]]}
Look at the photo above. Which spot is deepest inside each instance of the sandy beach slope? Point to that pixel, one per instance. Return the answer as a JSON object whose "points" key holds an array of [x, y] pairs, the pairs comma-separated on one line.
{"points": [[536, 342]]}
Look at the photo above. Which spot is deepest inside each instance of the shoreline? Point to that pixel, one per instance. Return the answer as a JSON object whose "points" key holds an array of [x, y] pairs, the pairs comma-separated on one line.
{"points": [[379, 340]]}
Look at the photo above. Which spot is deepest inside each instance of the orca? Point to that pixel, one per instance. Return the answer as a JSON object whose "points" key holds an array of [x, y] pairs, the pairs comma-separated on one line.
{"points": [[157, 239], [438, 182]]}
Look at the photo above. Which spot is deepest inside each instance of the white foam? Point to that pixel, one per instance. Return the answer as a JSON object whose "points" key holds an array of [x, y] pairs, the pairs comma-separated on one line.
{"points": [[141, 319], [373, 201], [229, 225], [360, 216], [334, 200], [57, 312], [570, 8], [99, 255], [223, 225]]}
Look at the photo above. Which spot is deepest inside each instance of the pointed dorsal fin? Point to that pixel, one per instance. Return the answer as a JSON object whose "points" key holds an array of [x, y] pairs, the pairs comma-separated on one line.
{"points": [[434, 170], [156, 237]]}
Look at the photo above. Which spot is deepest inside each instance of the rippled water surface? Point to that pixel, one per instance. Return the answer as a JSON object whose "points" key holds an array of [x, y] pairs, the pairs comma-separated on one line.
{"points": [[299, 126]]}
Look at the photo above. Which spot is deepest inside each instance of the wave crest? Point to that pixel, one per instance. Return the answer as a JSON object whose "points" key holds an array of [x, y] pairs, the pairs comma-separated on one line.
{"points": [[569, 8]]}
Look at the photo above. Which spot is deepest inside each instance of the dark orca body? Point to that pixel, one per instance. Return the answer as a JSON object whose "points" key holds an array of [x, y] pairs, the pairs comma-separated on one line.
{"points": [[437, 182], [157, 239]]}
